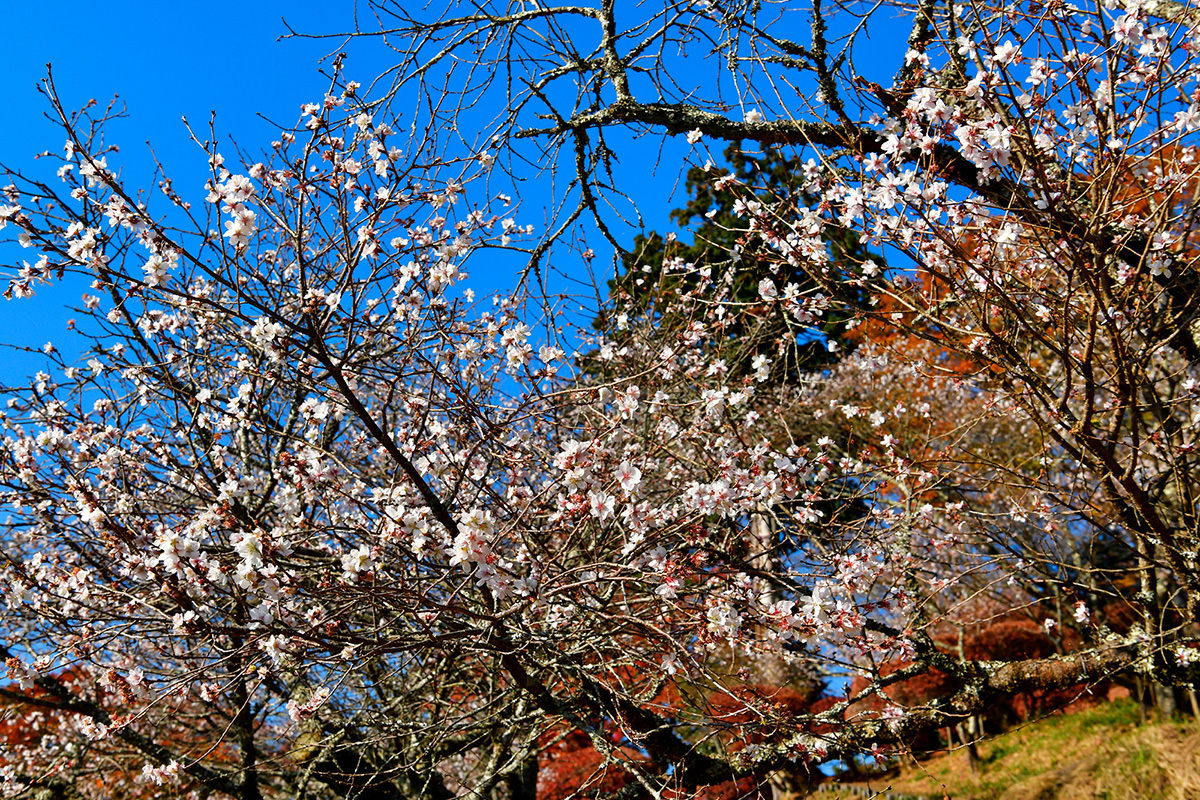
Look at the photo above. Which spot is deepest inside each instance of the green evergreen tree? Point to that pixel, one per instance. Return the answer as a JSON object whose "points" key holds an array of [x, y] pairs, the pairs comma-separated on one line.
{"points": [[722, 238]]}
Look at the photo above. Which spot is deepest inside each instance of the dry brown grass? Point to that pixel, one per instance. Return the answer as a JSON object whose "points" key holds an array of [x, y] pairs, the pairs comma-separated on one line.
{"points": [[1095, 754]]}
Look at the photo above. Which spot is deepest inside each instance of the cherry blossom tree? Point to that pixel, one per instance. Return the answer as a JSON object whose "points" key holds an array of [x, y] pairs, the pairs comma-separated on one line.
{"points": [[310, 518], [1032, 163]]}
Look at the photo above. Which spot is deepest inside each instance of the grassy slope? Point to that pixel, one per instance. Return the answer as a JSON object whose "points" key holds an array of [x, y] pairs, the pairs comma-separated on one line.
{"points": [[1096, 753]]}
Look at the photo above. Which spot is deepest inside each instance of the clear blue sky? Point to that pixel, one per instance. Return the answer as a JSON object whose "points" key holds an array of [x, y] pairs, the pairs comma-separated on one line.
{"points": [[164, 60], [167, 60]]}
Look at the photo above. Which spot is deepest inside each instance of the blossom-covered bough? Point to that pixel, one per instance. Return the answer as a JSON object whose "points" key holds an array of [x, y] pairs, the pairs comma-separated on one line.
{"points": [[310, 519]]}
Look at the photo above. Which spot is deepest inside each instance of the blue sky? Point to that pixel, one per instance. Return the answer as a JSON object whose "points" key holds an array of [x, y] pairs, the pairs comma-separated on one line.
{"points": [[168, 60], [165, 61]]}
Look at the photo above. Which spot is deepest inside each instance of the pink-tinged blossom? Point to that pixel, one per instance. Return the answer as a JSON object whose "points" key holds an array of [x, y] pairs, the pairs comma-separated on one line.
{"points": [[669, 587], [249, 548], [1006, 53], [473, 543], [357, 562], [629, 477], [158, 775], [298, 712], [157, 269], [261, 615], [275, 647], [627, 401], [572, 453], [518, 356], [20, 672], [724, 621], [95, 170], [601, 505], [177, 550], [241, 228], [893, 715]]}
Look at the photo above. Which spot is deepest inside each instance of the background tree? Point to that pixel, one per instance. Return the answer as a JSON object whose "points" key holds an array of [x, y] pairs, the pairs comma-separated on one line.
{"points": [[719, 218], [996, 160]]}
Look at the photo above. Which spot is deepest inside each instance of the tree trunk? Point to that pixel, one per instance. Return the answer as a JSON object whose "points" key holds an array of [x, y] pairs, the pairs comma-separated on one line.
{"points": [[1164, 699], [972, 751]]}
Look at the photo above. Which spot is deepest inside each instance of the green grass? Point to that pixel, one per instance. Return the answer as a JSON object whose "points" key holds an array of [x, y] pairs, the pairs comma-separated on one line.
{"points": [[1100, 752]]}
